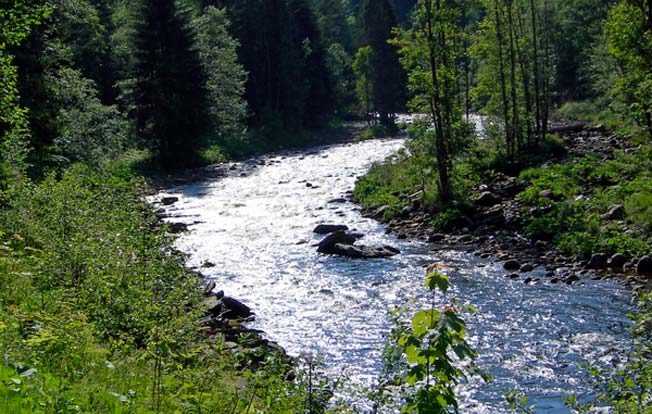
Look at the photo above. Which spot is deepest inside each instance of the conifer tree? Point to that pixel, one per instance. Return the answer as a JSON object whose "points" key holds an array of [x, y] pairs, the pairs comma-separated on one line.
{"points": [[377, 20], [310, 71], [169, 93]]}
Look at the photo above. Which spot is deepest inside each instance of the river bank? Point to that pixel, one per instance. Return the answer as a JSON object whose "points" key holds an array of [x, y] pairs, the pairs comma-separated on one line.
{"points": [[495, 225]]}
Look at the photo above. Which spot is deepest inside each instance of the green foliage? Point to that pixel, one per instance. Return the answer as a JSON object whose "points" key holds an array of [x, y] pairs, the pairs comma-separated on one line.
{"points": [[573, 215], [386, 76], [97, 315], [225, 76], [517, 70], [629, 35], [426, 357], [430, 53], [18, 17], [364, 86], [90, 132]]}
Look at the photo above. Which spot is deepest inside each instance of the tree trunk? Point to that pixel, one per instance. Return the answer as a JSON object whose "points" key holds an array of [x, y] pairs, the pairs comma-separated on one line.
{"points": [[440, 140], [537, 78], [503, 81], [516, 130], [525, 73]]}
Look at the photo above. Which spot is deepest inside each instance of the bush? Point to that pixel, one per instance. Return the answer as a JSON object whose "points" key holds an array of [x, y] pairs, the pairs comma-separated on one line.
{"points": [[96, 311]]}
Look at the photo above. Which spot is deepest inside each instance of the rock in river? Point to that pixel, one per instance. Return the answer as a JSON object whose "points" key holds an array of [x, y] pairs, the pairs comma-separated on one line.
{"points": [[167, 201], [364, 252], [617, 262], [644, 266], [512, 265], [176, 228], [338, 237], [329, 228], [598, 261]]}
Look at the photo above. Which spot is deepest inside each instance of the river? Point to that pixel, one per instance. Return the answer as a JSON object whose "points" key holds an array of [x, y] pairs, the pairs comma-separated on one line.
{"points": [[256, 225]]}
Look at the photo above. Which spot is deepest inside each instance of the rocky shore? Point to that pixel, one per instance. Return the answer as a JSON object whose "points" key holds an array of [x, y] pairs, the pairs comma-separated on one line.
{"points": [[495, 226], [223, 315]]}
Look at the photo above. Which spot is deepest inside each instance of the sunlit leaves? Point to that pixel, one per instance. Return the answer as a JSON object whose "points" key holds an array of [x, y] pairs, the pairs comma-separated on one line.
{"points": [[436, 280], [432, 348]]}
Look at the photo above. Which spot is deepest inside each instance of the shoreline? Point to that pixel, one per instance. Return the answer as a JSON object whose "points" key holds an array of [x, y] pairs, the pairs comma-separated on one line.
{"points": [[495, 228]]}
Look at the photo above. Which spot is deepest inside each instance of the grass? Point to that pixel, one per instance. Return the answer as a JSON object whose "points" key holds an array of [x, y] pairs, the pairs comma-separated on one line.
{"points": [[95, 311], [582, 193]]}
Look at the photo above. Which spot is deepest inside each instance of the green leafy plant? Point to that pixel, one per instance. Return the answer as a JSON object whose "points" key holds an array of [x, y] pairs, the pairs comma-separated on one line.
{"points": [[426, 354]]}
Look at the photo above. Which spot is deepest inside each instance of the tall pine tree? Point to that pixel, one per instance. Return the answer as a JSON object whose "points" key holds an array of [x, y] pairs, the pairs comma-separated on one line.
{"points": [[281, 49], [377, 20], [169, 94]]}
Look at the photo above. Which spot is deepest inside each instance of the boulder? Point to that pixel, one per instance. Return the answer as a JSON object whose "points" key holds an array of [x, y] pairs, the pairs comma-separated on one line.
{"points": [[512, 265], [546, 194], [176, 228], [487, 199], [617, 262], [234, 309], [329, 228], [644, 266], [527, 267], [168, 201], [405, 211], [571, 279], [615, 212], [210, 286], [598, 261], [212, 305], [338, 237], [337, 201], [512, 188], [364, 252], [380, 212]]}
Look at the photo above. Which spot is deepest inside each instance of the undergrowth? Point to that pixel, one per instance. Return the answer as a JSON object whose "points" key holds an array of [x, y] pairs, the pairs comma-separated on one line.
{"points": [[98, 315]]}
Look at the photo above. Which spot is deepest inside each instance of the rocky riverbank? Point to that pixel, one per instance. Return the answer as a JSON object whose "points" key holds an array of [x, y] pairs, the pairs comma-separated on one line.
{"points": [[494, 226], [223, 315]]}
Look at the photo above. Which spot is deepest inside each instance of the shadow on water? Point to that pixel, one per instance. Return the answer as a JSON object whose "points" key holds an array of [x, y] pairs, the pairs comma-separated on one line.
{"points": [[257, 231]]}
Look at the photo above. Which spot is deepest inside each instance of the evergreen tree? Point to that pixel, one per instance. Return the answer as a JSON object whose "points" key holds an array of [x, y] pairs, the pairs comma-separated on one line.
{"points": [[169, 94], [225, 76], [310, 78], [18, 17], [337, 39], [289, 82], [404, 10], [377, 20]]}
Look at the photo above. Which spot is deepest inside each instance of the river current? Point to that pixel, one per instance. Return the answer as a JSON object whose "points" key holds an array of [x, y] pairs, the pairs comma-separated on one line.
{"points": [[256, 228]]}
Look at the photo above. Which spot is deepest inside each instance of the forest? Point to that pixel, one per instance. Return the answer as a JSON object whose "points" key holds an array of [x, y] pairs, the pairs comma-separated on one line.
{"points": [[102, 99]]}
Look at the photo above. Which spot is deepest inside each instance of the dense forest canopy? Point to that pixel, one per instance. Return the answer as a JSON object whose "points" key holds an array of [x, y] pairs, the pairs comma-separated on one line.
{"points": [[294, 69], [95, 93]]}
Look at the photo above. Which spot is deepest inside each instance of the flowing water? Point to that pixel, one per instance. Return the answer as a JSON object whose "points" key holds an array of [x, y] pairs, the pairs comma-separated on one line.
{"points": [[256, 228]]}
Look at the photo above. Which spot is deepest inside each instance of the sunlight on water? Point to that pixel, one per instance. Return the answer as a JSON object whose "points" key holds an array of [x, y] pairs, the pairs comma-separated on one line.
{"points": [[257, 230]]}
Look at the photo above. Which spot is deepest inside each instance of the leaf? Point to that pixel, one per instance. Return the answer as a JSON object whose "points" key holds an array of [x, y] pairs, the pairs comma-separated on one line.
{"points": [[437, 280]]}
